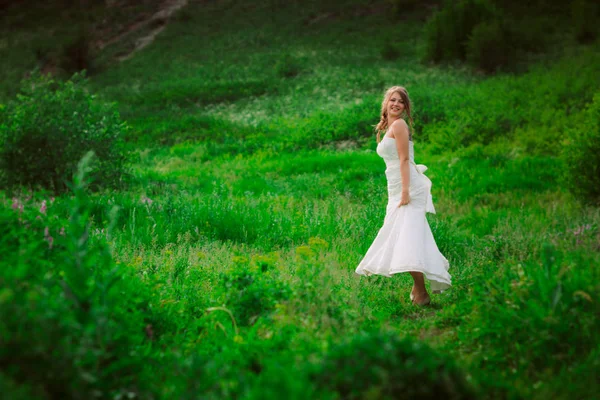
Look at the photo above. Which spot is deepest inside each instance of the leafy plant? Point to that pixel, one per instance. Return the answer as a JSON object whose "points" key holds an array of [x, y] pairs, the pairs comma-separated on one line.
{"points": [[488, 46], [581, 154], [584, 14], [252, 294], [381, 365], [50, 126], [448, 31], [66, 331]]}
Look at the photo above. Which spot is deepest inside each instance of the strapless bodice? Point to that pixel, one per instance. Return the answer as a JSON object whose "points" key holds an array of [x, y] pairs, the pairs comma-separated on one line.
{"points": [[420, 185]]}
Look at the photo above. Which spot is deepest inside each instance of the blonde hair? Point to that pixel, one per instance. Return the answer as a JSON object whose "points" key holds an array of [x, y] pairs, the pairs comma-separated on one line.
{"points": [[382, 126]]}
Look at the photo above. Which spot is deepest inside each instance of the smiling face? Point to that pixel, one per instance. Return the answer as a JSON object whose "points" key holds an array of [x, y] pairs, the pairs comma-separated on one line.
{"points": [[395, 105]]}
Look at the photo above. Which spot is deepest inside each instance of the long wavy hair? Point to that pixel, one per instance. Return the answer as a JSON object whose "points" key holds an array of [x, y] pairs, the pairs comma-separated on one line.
{"points": [[382, 126]]}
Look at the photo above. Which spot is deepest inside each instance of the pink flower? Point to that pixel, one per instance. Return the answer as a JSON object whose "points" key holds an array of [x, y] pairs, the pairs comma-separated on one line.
{"points": [[147, 200], [15, 203], [43, 207], [48, 238]]}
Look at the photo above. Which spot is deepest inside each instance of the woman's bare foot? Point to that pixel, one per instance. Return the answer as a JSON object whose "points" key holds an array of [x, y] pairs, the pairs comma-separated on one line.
{"points": [[420, 298], [418, 294]]}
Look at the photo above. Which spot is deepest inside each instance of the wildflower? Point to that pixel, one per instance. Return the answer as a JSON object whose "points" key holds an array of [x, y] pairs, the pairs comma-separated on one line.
{"points": [[147, 200], [17, 205], [239, 260], [43, 207], [317, 243], [304, 251], [238, 339], [48, 238]]}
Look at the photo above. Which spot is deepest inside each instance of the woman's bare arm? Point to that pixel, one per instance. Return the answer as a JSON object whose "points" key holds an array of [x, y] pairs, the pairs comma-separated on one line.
{"points": [[400, 132]]}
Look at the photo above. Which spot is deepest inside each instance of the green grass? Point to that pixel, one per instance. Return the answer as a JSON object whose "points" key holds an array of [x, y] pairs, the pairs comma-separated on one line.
{"points": [[259, 191]]}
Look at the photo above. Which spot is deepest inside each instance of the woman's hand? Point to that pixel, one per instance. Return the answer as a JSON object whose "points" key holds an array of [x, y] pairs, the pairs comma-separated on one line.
{"points": [[405, 199]]}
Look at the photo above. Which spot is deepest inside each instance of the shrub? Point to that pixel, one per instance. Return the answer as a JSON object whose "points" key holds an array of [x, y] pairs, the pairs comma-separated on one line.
{"points": [[50, 126], [447, 32], [581, 154], [491, 34], [584, 14], [536, 317], [251, 294], [488, 47], [77, 55], [70, 326], [383, 366]]}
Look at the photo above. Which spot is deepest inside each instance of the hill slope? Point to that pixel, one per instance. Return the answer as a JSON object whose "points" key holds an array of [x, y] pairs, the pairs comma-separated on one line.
{"points": [[256, 191]]}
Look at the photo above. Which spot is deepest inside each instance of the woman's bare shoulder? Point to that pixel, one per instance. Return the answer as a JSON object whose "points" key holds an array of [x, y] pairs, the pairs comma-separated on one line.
{"points": [[399, 127], [400, 122]]}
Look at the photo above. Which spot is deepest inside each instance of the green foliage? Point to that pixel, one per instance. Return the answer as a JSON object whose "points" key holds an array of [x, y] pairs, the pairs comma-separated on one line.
{"points": [[51, 125], [581, 154], [497, 35], [380, 365], [287, 66], [77, 55], [448, 31], [537, 314], [67, 331], [254, 197], [389, 52], [488, 47], [584, 14], [252, 293]]}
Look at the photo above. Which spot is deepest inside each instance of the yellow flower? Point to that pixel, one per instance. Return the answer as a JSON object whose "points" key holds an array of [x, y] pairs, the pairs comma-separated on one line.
{"points": [[317, 243], [239, 260], [304, 251]]}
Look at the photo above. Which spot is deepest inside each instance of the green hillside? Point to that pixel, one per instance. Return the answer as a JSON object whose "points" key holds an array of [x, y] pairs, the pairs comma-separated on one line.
{"points": [[222, 263]]}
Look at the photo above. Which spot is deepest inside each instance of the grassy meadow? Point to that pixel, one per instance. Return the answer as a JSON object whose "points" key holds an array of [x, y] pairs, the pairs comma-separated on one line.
{"points": [[223, 266]]}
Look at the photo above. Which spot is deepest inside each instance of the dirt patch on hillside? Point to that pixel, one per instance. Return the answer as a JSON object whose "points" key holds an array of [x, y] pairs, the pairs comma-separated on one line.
{"points": [[151, 22]]}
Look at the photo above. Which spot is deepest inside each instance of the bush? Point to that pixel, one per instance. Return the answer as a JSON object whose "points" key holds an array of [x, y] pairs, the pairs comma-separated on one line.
{"points": [[448, 31], [77, 55], [488, 47], [50, 126], [491, 34], [252, 294], [581, 154], [584, 14], [537, 318], [66, 328], [383, 366]]}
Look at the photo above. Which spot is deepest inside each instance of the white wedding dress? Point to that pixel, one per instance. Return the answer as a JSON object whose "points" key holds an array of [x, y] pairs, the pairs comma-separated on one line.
{"points": [[405, 242]]}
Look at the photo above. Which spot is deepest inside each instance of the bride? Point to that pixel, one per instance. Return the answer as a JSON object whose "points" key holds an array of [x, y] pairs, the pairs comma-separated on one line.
{"points": [[404, 242]]}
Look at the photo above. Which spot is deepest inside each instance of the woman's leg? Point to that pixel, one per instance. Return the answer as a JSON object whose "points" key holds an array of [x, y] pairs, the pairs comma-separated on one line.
{"points": [[419, 293]]}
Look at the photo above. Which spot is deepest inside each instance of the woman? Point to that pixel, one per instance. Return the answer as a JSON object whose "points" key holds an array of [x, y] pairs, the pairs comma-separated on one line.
{"points": [[404, 242]]}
